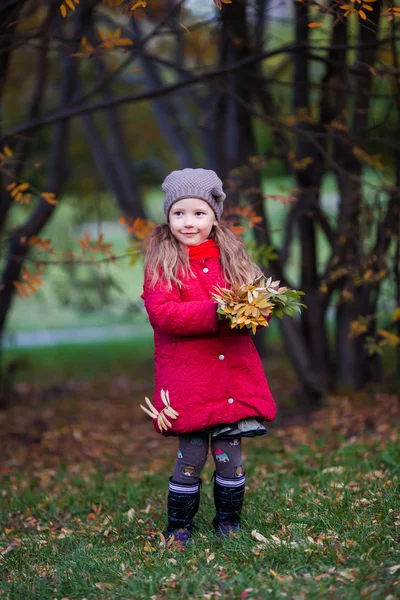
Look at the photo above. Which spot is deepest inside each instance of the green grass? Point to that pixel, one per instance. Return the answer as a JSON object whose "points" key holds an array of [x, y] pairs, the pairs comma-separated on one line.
{"points": [[328, 510], [92, 360], [47, 365]]}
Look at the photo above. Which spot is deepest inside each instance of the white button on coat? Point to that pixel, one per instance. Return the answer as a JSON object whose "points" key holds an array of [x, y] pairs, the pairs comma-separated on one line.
{"points": [[205, 270], [221, 357], [230, 400]]}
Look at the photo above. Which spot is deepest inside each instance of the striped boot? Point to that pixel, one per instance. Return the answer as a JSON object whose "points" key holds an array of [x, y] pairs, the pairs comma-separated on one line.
{"points": [[228, 499], [183, 504]]}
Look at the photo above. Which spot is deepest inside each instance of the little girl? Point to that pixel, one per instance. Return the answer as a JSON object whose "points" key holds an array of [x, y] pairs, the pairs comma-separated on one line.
{"points": [[212, 374]]}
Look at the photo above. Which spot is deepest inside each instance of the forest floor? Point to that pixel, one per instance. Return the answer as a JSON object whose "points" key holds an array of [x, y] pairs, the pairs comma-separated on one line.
{"points": [[83, 503]]}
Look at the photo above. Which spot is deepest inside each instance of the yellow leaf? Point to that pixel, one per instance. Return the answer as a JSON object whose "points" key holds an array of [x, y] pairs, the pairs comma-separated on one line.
{"points": [[338, 125], [140, 3], [50, 198], [126, 42], [7, 151], [275, 575], [315, 24], [396, 314], [390, 338], [70, 4], [362, 14], [63, 10]]}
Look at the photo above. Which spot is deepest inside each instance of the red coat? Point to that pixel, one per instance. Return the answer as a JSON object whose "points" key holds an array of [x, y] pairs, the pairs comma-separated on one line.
{"points": [[213, 373]]}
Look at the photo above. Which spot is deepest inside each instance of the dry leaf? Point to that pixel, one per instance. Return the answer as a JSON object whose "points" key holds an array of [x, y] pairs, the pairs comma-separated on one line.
{"points": [[392, 570], [210, 558], [259, 536]]}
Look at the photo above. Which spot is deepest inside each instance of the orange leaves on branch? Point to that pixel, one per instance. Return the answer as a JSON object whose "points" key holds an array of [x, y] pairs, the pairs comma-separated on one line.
{"points": [[5, 155], [49, 197], [391, 12], [234, 214], [68, 4], [335, 124], [388, 338], [28, 284], [110, 40], [139, 228], [360, 10], [373, 160], [95, 246], [113, 39], [396, 314], [86, 49], [129, 8], [315, 24], [359, 326], [35, 241], [299, 165], [17, 192], [302, 115]]}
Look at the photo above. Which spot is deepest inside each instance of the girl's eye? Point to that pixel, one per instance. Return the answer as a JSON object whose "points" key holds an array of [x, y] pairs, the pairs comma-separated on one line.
{"points": [[178, 212], [199, 213]]}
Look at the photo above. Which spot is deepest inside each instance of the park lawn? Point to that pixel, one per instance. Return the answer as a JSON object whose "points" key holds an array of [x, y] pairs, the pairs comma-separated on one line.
{"points": [[103, 360], [321, 514]]}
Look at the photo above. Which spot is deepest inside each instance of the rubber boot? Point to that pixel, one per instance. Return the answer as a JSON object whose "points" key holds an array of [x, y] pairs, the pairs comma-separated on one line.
{"points": [[183, 504], [228, 499]]}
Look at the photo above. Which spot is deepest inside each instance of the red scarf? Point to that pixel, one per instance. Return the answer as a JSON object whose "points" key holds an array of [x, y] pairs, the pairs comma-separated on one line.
{"points": [[207, 249]]}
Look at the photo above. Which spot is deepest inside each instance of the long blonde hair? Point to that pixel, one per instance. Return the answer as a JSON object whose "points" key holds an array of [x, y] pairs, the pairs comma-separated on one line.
{"points": [[168, 260]]}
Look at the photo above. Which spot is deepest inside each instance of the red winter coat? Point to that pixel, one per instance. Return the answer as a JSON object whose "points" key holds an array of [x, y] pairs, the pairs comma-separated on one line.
{"points": [[213, 373]]}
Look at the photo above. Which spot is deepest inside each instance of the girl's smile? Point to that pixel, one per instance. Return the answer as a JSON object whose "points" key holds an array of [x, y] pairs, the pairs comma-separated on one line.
{"points": [[191, 221]]}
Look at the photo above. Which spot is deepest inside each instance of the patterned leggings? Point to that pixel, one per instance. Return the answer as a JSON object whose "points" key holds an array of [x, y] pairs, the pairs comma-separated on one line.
{"points": [[192, 456]]}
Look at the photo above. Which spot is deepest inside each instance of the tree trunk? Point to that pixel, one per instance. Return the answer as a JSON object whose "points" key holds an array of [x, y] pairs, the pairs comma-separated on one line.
{"points": [[18, 248], [354, 367]]}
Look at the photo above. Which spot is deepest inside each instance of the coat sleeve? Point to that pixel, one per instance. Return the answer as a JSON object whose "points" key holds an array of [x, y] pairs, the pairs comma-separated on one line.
{"points": [[171, 316]]}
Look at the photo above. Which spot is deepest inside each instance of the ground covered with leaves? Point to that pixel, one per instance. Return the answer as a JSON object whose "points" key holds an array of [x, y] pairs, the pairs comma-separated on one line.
{"points": [[83, 501]]}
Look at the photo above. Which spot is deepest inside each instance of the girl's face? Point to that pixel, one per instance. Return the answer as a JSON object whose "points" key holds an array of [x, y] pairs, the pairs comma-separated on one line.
{"points": [[191, 221]]}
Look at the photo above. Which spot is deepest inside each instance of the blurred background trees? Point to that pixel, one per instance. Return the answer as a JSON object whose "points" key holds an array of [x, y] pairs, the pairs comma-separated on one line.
{"points": [[295, 105]]}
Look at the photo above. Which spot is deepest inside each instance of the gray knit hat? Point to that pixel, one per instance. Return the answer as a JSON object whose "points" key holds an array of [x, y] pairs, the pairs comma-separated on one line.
{"points": [[194, 183]]}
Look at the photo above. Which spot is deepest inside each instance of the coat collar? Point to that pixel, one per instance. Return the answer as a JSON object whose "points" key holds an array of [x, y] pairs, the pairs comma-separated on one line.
{"points": [[207, 249]]}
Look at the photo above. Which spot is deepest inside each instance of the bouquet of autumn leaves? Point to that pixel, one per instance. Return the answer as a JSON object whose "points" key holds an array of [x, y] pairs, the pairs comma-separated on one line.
{"points": [[250, 305]]}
